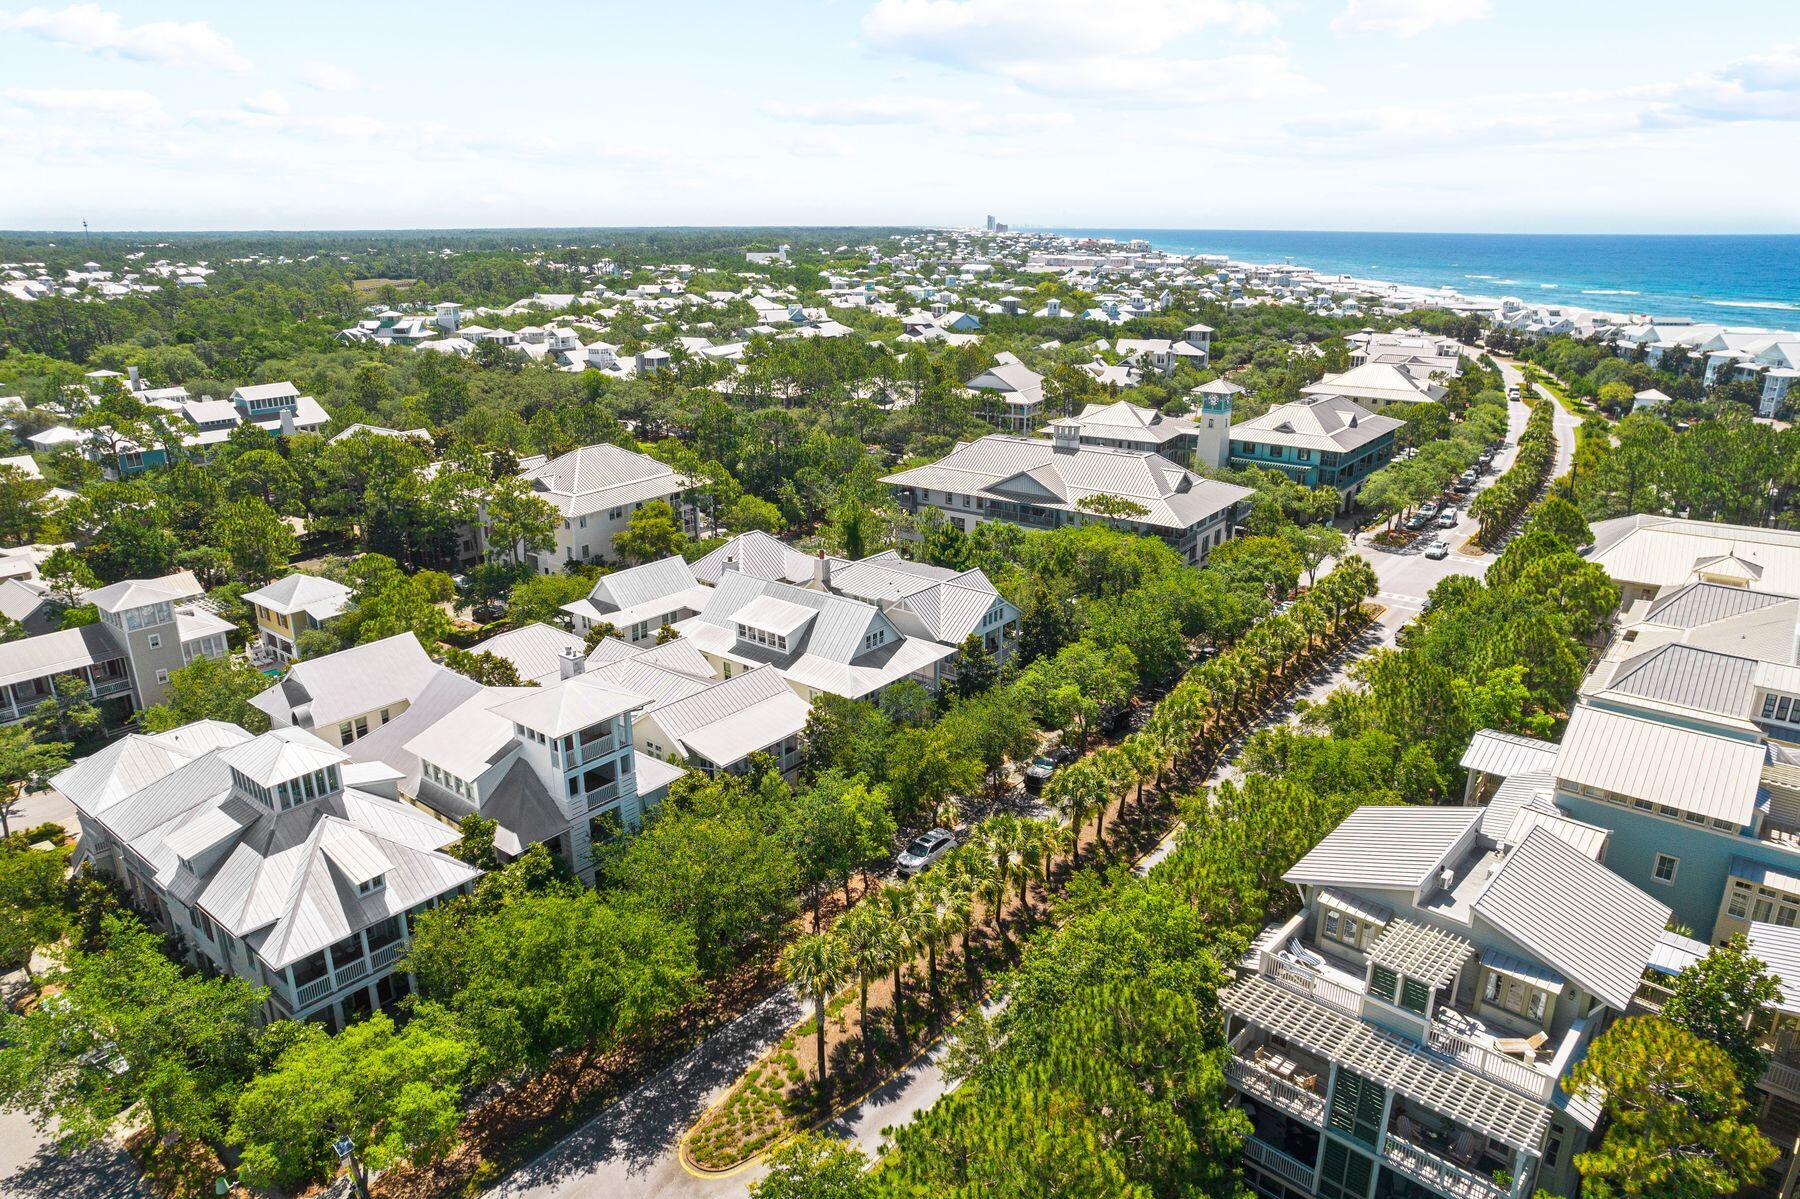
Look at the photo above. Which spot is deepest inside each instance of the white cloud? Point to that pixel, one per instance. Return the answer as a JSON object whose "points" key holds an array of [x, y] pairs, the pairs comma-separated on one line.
{"points": [[138, 110], [92, 28], [1407, 18], [972, 33], [329, 77], [269, 102], [1761, 87], [870, 110], [1126, 50]]}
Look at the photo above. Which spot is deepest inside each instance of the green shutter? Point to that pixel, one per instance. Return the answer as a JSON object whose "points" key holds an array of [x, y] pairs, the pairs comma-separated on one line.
{"points": [[1356, 1106], [1383, 983], [1346, 1173], [1415, 996]]}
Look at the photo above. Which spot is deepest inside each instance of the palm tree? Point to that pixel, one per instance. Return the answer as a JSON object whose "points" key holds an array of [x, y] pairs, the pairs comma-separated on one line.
{"points": [[1070, 794], [894, 906], [816, 965], [868, 942], [932, 903]]}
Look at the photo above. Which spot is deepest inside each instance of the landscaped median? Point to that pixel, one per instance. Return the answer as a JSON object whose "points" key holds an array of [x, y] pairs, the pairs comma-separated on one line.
{"points": [[889, 977]]}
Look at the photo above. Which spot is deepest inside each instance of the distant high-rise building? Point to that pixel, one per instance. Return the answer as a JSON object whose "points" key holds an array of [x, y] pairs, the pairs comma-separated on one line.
{"points": [[1000, 228], [990, 224]]}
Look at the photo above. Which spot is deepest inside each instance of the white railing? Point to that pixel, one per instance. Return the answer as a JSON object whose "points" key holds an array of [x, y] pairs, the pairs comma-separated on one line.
{"points": [[1441, 1175], [351, 971], [1306, 981], [386, 955], [1286, 1166], [596, 749], [604, 794], [310, 993], [1296, 1100], [1490, 1063], [1782, 1077]]}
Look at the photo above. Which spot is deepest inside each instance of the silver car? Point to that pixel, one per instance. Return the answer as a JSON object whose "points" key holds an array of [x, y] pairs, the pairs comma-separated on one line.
{"points": [[925, 850]]}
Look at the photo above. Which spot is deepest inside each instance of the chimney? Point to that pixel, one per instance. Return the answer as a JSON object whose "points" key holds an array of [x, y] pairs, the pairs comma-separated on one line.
{"points": [[821, 580], [132, 373], [287, 422], [570, 662], [1065, 435]]}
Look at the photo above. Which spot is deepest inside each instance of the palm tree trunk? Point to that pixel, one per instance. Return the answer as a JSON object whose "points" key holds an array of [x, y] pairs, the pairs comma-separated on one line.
{"points": [[820, 1016], [862, 1023], [900, 1002], [931, 970]]}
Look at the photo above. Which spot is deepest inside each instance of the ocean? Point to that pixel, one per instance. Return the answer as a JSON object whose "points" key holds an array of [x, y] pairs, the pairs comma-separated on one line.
{"points": [[1748, 279]]}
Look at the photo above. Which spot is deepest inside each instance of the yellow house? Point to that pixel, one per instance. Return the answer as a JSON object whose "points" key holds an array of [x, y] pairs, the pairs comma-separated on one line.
{"points": [[287, 608]]}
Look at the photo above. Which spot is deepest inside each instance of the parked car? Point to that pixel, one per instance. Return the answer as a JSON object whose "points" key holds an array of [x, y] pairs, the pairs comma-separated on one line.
{"points": [[1044, 765], [1447, 519], [925, 850], [1429, 508], [1416, 521], [1438, 550]]}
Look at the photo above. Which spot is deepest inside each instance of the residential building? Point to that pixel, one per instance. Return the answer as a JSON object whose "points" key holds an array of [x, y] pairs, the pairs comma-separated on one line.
{"points": [[270, 858], [1122, 425], [820, 642], [639, 601], [595, 490], [1375, 385], [1041, 484], [289, 607], [1012, 393], [159, 625], [1407, 1031], [342, 697], [1320, 441]]}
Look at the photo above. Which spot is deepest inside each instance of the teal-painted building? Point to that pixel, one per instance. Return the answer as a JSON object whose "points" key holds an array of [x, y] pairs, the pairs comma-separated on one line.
{"points": [[1319, 441]]}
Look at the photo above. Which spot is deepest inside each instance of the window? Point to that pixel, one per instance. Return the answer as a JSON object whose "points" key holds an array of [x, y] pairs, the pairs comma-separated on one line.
{"points": [[156, 641], [1740, 900], [1666, 867], [370, 886], [1346, 930], [162, 676]]}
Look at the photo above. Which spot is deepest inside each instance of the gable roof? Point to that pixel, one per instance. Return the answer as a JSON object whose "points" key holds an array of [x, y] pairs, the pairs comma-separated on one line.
{"points": [[324, 691], [595, 477], [568, 706], [320, 598], [1575, 914], [535, 650], [1319, 422], [136, 593], [755, 553]]}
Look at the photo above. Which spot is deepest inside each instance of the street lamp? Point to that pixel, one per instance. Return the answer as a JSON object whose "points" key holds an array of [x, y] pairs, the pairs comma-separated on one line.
{"points": [[346, 1151]]}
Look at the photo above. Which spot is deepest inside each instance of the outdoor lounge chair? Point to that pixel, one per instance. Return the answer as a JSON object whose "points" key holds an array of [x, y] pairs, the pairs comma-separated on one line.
{"points": [[1303, 955], [1525, 1047]]}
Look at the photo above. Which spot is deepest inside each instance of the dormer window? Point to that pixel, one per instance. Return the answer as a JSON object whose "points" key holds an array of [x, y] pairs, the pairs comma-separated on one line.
{"points": [[874, 639], [371, 885]]}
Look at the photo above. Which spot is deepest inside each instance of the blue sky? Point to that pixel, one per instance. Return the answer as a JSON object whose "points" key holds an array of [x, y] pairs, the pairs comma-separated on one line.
{"points": [[1453, 115]]}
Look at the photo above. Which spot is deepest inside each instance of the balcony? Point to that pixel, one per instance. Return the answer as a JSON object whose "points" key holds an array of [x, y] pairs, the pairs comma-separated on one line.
{"points": [[1289, 1169], [1320, 981], [1287, 1079], [1426, 1167], [599, 747], [603, 794]]}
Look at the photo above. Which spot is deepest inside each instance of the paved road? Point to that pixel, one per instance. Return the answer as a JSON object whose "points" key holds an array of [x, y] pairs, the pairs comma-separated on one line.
{"points": [[30, 1170], [630, 1148]]}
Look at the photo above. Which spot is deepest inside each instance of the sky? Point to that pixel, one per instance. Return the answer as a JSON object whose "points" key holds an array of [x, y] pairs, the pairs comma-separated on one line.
{"points": [[1437, 115]]}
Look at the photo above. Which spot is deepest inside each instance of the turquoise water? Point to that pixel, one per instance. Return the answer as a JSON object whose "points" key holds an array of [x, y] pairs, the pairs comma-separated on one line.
{"points": [[1750, 279]]}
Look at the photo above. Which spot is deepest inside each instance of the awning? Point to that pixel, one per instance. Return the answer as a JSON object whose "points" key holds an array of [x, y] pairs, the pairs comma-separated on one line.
{"points": [[1355, 905], [1751, 870], [1530, 973]]}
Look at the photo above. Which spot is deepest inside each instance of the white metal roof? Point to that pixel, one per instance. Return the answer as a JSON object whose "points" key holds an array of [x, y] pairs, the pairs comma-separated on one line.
{"points": [[1396, 848], [1575, 915], [1692, 771], [568, 706], [1505, 754], [771, 614]]}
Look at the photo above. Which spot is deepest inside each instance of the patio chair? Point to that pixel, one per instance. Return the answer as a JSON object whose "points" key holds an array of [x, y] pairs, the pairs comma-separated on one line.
{"points": [[1525, 1047], [1405, 1129], [1466, 1148], [1305, 956], [1307, 1082]]}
